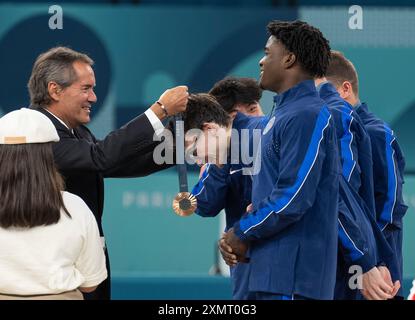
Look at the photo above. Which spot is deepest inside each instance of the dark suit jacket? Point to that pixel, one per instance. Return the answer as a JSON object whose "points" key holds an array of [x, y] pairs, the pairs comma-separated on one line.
{"points": [[85, 161]]}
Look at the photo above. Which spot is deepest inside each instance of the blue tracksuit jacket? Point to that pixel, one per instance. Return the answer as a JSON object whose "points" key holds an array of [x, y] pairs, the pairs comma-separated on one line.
{"points": [[293, 228], [228, 188], [388, 169], [354, 144], [361, 242]]}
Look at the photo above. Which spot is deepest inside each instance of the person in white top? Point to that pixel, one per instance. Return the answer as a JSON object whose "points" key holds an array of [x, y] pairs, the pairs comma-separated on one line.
{"points": [[49, 239]]}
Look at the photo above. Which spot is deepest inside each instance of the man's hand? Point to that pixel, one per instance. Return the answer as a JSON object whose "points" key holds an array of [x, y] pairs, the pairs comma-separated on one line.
{"points": [[175, 99], [388, 278], [375, 287], [232, 249], [227, 253], [249, 208]]}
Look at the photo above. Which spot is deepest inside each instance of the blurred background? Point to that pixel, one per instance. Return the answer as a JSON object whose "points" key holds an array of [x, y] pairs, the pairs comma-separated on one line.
{"points": [[141, 48]]}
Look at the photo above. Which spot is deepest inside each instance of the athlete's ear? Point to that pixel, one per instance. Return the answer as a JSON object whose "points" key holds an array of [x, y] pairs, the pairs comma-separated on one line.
{"points": [[289, 60], [346, 90]]}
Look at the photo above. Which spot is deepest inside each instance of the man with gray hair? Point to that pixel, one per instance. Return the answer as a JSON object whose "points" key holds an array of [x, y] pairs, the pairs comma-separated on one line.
{"points": [[61, 86]]}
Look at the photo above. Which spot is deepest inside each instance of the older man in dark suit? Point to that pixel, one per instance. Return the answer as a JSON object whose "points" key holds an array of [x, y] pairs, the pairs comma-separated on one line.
{"points": [[62, 87]]}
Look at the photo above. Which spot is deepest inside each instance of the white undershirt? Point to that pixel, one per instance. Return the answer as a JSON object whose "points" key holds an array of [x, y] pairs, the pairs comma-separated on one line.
{"points": [[155, 121], [55, 258]]}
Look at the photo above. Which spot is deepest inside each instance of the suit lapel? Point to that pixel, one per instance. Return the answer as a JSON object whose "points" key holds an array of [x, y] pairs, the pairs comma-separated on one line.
{"points": [[58, 125]]}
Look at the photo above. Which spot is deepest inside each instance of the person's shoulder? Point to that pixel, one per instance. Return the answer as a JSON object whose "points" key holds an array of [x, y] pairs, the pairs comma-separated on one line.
{"points": [[377, 129], [75, 205], [373, 124], [310, 109], [85, 132], [71, 197], [337, 104]]}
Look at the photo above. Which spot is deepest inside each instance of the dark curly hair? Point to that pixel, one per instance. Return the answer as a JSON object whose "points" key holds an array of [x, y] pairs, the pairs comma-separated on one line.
{"points": [[231, 91], [311, 49]]}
